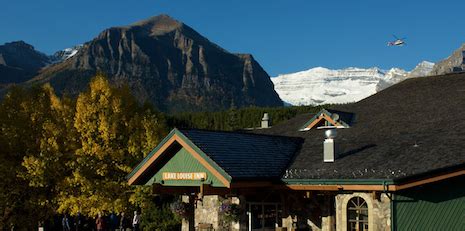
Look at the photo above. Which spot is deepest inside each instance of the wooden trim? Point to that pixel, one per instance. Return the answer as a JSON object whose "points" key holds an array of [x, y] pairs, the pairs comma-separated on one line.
{"points": [[196, 155], [151, 160], [320, 117], [310, 126], [204, 162], [375, 187], [313, 187], [209, 190], [252, 184], [329, 119], [429, 180], [340, 187]]}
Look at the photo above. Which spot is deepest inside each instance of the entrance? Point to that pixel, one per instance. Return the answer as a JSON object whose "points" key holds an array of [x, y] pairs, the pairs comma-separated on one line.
{"points": [[264, 216]]}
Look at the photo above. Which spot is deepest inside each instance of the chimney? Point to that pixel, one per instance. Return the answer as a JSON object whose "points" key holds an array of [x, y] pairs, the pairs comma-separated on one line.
{"points": [[266, 121], [329, 146]]}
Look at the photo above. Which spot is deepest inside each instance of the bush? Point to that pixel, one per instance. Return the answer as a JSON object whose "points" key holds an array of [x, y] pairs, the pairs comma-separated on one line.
{"points": [[159, 218]]}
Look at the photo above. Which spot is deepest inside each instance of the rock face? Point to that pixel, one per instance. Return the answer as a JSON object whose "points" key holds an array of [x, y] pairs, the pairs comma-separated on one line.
{"points": [[320, 85], [65, 54], [169, 64], [424, 68], [19, 62], [453, 63]]}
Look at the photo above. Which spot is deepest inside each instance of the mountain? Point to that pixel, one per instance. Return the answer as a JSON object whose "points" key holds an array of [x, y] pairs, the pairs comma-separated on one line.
{"points": [[453, 63], [167, 63], [19, 62], [65, 54], [324, 86], [424, 68]]}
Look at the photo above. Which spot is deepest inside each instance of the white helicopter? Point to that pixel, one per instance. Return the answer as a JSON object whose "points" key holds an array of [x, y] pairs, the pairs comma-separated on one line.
{"points": [[398, 42]]}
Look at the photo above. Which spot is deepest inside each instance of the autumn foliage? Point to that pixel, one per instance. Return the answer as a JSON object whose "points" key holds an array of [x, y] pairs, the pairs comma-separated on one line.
{"points": [[63, 155]]}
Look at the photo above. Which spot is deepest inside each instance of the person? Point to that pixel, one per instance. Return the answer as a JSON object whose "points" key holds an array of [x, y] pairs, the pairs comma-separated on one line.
{"points": [[136, 221], [100, 222], [79, 222], [123, 222], [113, 222], [65, 223]]}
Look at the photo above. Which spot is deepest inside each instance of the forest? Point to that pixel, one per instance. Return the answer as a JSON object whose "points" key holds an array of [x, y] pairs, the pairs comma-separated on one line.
{"points": [[70, 155]]}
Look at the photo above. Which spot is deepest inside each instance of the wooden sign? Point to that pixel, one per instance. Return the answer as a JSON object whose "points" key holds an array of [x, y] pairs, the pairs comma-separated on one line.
{"points": [[184, 176]]}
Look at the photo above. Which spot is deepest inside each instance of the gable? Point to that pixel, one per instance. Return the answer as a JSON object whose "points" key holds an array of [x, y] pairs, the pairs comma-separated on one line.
{"points": [[183, 169], [176, 145], [328, 118]]}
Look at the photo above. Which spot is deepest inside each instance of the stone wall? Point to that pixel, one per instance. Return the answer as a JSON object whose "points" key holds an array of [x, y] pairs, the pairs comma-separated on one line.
{"points": [[207, 211], [379, 211]]}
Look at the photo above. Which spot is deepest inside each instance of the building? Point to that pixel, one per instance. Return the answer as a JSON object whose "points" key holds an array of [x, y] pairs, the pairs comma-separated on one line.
{"points": [[397, 162]]}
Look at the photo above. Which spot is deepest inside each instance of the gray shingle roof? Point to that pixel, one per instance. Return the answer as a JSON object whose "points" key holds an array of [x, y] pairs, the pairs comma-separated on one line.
{"points": [[245, 155], [409, 129]]}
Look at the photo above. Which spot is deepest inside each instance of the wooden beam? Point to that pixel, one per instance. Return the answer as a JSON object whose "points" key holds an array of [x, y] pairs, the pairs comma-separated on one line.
{"points": [[374, 187], [322, 116], [252, 184], [429, 180], [203, 162], [173, 190], [151, 160], [209, 190]]}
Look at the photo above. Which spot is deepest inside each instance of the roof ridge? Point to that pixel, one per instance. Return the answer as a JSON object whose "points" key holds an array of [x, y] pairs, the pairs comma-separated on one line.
{"points": [[237, 132]]}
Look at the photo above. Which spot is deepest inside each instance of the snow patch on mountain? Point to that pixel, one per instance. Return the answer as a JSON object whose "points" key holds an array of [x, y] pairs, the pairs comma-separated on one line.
{"points": [[65, 54], [320, 85]]}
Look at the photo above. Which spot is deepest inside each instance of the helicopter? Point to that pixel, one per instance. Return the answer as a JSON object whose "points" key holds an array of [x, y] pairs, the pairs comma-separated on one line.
{"points": [[398, 42]]}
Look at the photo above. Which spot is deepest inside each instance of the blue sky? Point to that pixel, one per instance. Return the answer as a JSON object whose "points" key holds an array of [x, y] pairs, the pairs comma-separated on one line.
{"points": [[284, 36]]}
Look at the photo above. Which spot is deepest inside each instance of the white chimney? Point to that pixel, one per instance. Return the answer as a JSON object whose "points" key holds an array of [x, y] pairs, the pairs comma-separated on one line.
{"points": [[265, 120], [329, 147]]}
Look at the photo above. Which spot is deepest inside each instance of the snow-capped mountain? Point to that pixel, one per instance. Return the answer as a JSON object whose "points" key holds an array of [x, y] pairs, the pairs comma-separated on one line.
{"points": [[422, 69], [324, 86], [65, 54]]}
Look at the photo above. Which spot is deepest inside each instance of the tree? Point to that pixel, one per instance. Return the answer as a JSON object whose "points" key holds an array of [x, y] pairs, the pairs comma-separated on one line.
{"points": [[29, 148], [114, 132]]}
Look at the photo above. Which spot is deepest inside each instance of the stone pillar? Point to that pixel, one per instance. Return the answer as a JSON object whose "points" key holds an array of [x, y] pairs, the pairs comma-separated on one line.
{"points": [[236, 226], [207, 210], [188, 224], [328, 214]]}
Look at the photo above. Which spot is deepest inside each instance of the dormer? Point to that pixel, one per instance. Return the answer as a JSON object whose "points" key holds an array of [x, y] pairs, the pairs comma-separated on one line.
{"points": [[327, 118]]}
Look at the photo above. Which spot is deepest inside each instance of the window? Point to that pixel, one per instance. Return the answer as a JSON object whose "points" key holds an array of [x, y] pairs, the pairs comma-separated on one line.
{"points": [[357, 214], [264, 216]]}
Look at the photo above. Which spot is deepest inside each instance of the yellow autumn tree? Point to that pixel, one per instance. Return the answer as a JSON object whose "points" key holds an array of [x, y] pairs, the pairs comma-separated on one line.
{"points": [[32, 137], [113, 133]]}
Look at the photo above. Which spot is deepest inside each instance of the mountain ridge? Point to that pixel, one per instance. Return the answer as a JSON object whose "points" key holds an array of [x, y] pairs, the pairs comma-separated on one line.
{"points": [[452, 64], [321, 85], [172, 66]]}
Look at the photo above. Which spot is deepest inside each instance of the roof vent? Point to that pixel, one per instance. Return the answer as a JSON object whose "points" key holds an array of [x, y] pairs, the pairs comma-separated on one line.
{"points": [[266, 120], [329, 146]]}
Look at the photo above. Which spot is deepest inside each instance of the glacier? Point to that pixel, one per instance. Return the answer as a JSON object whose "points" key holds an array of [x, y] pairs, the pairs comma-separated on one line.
{"points": [[320, 85]]}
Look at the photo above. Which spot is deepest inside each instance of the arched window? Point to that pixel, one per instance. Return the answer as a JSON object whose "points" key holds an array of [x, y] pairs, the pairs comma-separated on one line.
{"points": [[357, 214]]}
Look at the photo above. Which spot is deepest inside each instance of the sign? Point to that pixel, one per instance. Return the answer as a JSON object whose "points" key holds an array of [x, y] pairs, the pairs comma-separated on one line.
{"points": [[184, 176]]}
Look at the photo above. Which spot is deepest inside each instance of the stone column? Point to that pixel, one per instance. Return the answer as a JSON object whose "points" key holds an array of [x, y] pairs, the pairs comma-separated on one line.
{"points": [[188, 224]]}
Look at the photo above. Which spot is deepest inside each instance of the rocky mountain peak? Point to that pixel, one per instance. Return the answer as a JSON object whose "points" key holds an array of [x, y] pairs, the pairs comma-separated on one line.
{"points": [[453, 63], [169, 64], [19, 61], [158, 25], [19, 44], [422, 69]]}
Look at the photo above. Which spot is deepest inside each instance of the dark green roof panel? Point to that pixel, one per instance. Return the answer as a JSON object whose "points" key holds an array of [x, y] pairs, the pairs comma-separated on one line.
{"points": [[439, 206]]}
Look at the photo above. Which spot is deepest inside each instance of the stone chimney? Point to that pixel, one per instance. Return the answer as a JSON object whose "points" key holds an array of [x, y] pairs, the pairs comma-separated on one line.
{"points": [[329, 146], [266, 123]]}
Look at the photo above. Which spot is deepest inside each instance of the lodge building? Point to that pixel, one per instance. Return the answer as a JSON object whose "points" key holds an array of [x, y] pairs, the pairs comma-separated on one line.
{"points": [[393, 161]]}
